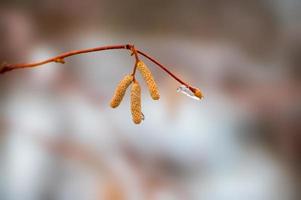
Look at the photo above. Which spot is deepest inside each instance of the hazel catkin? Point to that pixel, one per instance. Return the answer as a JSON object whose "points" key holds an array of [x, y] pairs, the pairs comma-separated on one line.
{"points": [[120, 90], [136, 103], [149, 79]]}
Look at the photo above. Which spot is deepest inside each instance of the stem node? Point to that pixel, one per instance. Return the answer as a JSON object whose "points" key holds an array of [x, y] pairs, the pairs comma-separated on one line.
{"points": [[60, 60]]}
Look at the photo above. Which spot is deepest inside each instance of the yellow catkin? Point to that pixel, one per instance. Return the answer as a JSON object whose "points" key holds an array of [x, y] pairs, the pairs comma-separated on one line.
{"points": [[149, 79], [136, 103], [198, 93], [120, 90]]}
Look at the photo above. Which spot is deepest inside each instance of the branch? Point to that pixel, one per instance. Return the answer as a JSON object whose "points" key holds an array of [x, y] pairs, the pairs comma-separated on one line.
{"points": [[166, 70], [60, 59]]}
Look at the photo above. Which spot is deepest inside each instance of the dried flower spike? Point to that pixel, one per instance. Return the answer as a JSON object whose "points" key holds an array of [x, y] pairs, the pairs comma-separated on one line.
{"points": [[149, 79], [136, 103], [120, 90]]}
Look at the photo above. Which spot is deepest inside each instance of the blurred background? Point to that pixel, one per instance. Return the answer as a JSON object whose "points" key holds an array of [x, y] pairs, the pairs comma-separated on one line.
{"points": [[60, 140]]}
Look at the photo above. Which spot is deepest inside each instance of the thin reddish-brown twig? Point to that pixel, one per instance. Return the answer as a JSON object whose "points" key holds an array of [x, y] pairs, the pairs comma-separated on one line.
{"points": [[166, 70], [60, 59], [135, 53]]}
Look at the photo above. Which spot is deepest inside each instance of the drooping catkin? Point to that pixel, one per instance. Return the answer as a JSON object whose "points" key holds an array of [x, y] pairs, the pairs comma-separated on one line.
{"points": [[120, 90], [136, 103], [149, 79]]}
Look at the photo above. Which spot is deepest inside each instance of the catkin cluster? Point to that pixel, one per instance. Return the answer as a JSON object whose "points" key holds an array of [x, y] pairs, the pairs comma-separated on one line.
{"points": [[120, 91], [135, 97]]}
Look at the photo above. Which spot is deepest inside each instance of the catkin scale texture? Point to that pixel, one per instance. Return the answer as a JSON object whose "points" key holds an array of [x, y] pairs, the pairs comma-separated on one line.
{"points": [[136, 103], [149, 79], [120, 90]]}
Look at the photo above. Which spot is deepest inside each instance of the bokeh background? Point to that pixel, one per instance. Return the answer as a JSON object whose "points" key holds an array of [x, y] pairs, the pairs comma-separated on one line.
{"points": [[59, 139]]}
